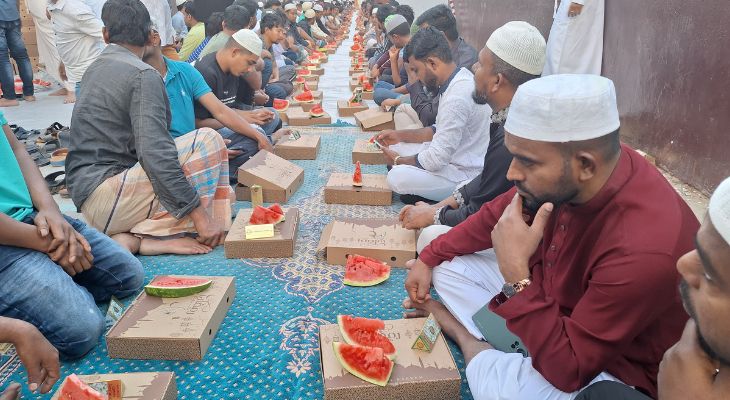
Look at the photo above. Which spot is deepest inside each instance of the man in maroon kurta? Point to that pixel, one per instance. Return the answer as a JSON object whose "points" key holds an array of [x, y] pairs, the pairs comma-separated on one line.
{"points": [[588, 283]]}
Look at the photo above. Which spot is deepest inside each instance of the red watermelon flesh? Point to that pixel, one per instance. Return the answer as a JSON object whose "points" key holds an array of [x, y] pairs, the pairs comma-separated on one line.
{"points": [[304, 97], [316, 111], [261, 216], [74, 389], [357, 177], [367, 363], [365, 332], [280, 104], [171, 281], [276, 208], [365, 271]]}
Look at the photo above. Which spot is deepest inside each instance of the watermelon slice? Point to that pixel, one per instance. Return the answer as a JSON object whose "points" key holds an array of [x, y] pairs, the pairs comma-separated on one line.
{"points": [[356, 47], [356, 99], [365, 271], [367, 87], [170, 286], [276, 208], [75, 389], [316, 111], [281, 105], [367, 363], [362, 79], [304, 72], [357, 176], [305, 97], [300, 80], [262, 215], [365, 332]]}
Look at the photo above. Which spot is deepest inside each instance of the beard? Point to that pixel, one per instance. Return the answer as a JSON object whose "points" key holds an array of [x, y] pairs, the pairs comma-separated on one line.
{"points": [[431, 83], [479, 98], [567, 191], [689, 307]]}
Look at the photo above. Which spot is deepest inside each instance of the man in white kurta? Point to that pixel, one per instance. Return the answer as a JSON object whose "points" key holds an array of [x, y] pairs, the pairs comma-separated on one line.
{"points": [[575, 44], [47, 52]]}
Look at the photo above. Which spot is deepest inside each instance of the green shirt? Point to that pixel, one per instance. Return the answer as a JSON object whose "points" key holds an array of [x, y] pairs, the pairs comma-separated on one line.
{"points": [[217, 42], [195, 37], [15, 199]]}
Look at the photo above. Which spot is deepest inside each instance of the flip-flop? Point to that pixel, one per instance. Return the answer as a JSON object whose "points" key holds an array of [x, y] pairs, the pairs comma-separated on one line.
{"points": [[58, 157], [54, 183]]}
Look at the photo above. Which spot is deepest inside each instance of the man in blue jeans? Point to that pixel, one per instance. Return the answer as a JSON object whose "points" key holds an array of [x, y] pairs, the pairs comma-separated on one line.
{"points": [[54, 269], [11, 42]]}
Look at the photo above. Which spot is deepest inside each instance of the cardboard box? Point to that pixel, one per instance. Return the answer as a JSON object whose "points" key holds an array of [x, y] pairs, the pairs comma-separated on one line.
{"points": [[282, 115], [416, 375], [311, 78], [156, 328], [357, 53], [374, 119], [382, 239], [368, 95], [279, 246], [298, 117], [318, 71], [354, 84], [313, 85], [138, 385], [373, 192], [362, 152], [356, 71], [278, 177], [345, 110], [304, 148]]}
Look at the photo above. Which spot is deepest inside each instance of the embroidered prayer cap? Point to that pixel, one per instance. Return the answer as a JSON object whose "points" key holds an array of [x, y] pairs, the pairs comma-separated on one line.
{"points": [[249, 40], [394, 21], [310, 14], [563, 108], [720, 209], [290, 7], [318, 7], [307, 5], [519, 44]]}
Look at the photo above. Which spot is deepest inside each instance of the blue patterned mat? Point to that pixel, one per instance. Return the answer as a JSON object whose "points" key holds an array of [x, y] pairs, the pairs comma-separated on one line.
{"points": [[267, 347]]}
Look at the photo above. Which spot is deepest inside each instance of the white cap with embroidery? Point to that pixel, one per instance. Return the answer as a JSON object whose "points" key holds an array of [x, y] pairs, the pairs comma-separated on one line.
{"points": [[519, 44], [249, 40], [720, 210]]}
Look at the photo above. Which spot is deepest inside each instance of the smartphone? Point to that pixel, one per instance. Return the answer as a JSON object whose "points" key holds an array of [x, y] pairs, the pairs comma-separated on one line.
{"points": [[494, 329], [378, 144]]}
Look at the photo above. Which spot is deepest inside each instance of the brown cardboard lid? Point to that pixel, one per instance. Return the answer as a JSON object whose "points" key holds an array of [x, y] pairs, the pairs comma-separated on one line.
{"points": [[272, 171], [282, 231], [299, 113], [305, 141], [362, 146], [135, 385], [370, 182], [172, 318], [373, 116], [372, 233], [411, 365]]}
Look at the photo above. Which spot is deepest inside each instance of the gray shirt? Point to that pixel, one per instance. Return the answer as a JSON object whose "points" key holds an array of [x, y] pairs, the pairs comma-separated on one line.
{"points": [[121, 118]]}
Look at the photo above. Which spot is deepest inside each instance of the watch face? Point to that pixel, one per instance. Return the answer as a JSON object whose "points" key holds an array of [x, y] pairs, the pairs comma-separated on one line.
{"points": [[509, 290]]}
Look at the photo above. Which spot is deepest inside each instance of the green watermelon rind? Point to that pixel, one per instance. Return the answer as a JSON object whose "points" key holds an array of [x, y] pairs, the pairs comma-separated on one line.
{"points": [[348, 368], [174, 292], [373, 282], [352, 341]]}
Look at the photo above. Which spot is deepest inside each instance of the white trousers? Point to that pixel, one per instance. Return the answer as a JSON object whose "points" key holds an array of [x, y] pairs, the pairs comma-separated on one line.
{"points": [[465, 285], [407, 179], [428, 234], [47, 52]]}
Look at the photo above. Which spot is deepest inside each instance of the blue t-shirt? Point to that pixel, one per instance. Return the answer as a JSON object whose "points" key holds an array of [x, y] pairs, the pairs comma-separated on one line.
{"points": [[15, 201], [184, 85], [9, 10]]}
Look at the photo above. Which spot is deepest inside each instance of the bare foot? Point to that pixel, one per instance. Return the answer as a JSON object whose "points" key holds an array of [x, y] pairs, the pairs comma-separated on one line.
{"points": [[128, 241], [59, 92], [281, 133], [29, 98], [9, 103], [70, 98], [185, 245], [12, 392], [469, 345]]}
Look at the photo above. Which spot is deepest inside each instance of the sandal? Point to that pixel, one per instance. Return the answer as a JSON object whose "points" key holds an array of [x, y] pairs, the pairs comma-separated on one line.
{"points": [[58, 157], [55, 184]]}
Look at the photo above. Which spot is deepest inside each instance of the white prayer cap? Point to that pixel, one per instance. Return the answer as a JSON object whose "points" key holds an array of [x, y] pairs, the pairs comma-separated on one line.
{"points": [[249, 40], [180, 2], [307, 5], [375, 10], [563, 108], [519, 44], [318, 7], [720, 209], [261, 4], [310, 14], [289, 7]]}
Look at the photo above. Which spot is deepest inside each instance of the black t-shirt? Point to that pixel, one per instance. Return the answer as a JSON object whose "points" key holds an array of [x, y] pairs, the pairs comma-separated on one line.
{"points": [[230, 90]]}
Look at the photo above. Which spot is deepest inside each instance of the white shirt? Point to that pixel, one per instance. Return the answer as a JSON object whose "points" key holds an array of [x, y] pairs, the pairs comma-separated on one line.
{"points": [[78, 36], [178, 23], [160, 12], [457, 150]]}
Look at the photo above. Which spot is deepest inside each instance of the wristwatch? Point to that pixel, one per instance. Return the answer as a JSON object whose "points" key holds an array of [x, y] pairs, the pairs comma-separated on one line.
{"points": [[511, 289]]}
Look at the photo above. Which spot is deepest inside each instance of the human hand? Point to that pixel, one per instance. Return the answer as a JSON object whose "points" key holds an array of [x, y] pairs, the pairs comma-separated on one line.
{"points": [[388, 137], [260, 98], [393, 53], [418, 281], [68, 248], [418, 216], [264, 144], [403, 212], [574, 10], [390, 155], [514, 241], [38, 356], [77, 258], [687, 372], [210, 232], [387, 104]]}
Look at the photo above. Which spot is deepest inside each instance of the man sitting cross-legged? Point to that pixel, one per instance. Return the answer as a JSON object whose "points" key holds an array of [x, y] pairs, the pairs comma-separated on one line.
{"points": [[430, 162], [225, 73], [54, 269], [124, 171], [513, 55], [186, 87], [588, 283]]}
